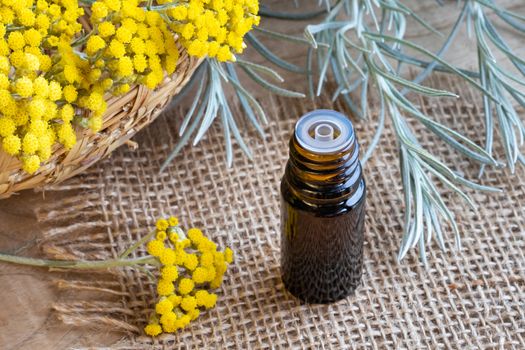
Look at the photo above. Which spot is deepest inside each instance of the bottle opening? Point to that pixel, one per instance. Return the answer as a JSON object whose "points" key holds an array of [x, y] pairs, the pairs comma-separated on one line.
{"points": [[324, 131]]}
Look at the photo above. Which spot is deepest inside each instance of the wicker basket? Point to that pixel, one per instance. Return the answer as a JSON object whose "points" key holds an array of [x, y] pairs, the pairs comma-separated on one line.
{"points": [[125, 116]]}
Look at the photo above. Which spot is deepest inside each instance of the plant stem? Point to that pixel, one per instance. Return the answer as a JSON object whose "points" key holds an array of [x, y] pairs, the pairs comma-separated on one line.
{"points": [[426, 72], [301, 16], [136, 245], [79, 265]]}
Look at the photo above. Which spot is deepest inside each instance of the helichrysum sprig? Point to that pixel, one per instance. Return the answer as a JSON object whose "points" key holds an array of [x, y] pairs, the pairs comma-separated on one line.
{"points": [[190, 266]]}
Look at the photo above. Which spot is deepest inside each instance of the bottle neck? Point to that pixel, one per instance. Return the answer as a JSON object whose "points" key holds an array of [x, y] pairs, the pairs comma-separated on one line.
{"points": [[323, 179]]}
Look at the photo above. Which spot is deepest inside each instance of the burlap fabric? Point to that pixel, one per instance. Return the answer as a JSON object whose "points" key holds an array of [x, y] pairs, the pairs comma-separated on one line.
{"points": [[473, 298]]}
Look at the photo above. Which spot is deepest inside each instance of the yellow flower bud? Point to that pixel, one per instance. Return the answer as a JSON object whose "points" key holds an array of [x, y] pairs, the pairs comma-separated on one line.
{"points": [[164, 306], [188, 303], [186, 286], [153, 329], [31, 164], [165, 287]]}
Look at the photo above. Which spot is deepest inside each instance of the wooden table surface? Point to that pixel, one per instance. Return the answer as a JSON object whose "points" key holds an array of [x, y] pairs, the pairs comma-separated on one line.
{"points": [[26, 294]]}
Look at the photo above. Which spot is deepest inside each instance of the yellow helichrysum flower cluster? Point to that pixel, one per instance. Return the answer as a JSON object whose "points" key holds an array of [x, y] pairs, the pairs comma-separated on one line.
{"points": [[130, 45], [53, 75], [190, 264], [33, 116], [213, 28], [49, 74]]}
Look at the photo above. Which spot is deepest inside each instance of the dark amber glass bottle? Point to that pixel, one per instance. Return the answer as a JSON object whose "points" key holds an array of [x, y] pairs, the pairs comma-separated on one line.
{"points": [[322, 209]]}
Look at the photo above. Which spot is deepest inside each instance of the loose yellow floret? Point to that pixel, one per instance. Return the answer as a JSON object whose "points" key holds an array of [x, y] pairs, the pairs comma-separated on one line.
{"points": [[121, 89], [113, 5], [179, 13], [5, 66], [137, 46], [168, 321], [38, 127], [124, 35], [4, 81], [32, 63], [162, 224], [212, 273], [191, 261], [31, 163], [206, 259], [37, 108], [41, 87], [32, 37], [55, 91], [67, 112], [167, 257], [155, 248], [153, 329], [16, 40], [200, 275], [185, 243], [30, 143], [185, 286], [161, 235], [164, 306], [7, 126], [228, 255], [106, 29], [173, 221], [175, 299], [94, 44], [165, 287], [11, 144], [70, 93], [24, 87], [188, 303], [66, 135], [216, 283], [99, 10], [95, 123], [117, 49], [140, 63], [203, 298], [195, 235], [170, 273], [194, 314]]}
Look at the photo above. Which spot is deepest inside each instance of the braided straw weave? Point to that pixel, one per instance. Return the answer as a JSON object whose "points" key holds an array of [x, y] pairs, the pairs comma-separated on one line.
{"points": [[125, 116]]}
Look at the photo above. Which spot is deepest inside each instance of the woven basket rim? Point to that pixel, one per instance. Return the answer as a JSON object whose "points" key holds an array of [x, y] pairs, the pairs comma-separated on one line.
{"points": [[125, 116]]}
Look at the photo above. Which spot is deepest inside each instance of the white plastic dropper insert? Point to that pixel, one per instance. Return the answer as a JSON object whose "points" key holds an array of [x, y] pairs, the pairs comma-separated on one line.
{"points": [[324, 131]]}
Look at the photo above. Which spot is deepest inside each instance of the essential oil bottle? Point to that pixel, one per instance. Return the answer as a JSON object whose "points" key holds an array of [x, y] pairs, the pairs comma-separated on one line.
{"points": [[322, 209]]}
